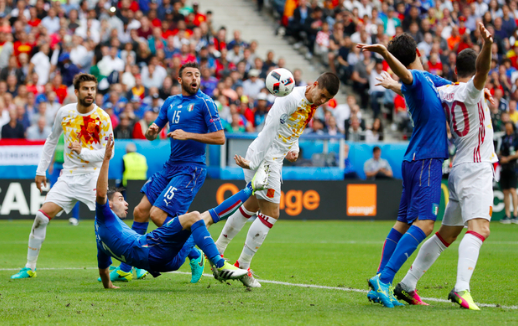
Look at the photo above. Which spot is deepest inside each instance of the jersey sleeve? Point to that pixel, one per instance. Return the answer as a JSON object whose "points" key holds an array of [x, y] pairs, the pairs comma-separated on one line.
{"points": [[103, 260], [282, 105], [472, 91], [416, 81], [437, 81], [211, 115], [161, 121], [50, 145]]}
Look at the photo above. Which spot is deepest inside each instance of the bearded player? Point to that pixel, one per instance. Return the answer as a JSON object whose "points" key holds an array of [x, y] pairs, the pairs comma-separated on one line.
{"points": [[193, 122], [285, 122], [470, 181], [86, 128]]}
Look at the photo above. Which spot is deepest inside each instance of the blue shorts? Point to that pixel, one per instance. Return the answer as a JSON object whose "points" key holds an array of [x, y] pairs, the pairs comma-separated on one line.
{"points": [[421, 190], [174, 187], [169, 246]]}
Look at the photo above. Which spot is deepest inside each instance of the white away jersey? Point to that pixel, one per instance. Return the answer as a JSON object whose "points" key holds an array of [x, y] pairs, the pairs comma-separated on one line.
{"points": [[91, 130], [284, 124], [470, 123]]}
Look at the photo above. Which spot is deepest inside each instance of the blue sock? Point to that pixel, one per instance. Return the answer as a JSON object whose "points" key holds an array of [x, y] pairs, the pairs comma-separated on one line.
{"points": [[194, 254], [230, 205], [203, 240], [388, 247], [140, 228], [404, 249]]}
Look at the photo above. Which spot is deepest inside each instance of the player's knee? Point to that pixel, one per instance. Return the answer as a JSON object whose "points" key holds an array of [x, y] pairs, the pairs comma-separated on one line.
{"points": [[140, 215], [190, 218]]}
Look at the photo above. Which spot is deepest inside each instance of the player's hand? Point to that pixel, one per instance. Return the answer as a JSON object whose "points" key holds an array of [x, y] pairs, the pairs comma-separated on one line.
{"points": [[111, 286], [75, 147], [39, 180], [386, 81], [178, 134], [109, 148], [486, 36], [153, 130], [377, 48], [489, 97], [292, 156], [242, 162]]}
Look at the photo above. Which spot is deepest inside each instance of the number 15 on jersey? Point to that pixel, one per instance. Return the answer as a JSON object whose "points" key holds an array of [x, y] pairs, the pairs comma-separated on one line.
{"points": [[176, 117]]}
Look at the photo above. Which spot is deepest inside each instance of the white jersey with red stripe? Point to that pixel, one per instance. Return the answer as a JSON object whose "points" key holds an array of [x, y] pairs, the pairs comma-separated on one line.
{"points": [[470, 123]]}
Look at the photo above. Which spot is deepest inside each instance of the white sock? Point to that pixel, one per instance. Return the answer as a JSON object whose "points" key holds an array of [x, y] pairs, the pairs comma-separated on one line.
{"points": [[255, 238], [469, 249], [36, 238], [232, 227], [428, 254]]}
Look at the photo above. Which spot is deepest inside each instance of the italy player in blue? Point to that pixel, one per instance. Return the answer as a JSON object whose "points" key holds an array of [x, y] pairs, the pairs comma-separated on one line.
{"points": [[422, 163], [193, 122], [165, 248]]}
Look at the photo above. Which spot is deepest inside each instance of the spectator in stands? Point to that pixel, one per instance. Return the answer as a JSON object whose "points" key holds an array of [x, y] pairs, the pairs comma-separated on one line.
{"points": [[12, 69], [296, 25], [40, 63], [253, 85], [124, 129], [317, 128], [236, 125], [376, 92], [260, 111], [140, 128], [354, 132], [360, 77], [375, 133], [13, 129], [39, 131], [377, 167]]}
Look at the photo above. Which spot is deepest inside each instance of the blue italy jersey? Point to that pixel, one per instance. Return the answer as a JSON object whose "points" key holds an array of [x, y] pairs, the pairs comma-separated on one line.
{"points": [[197, 114], [429, 139], [115, 239]]}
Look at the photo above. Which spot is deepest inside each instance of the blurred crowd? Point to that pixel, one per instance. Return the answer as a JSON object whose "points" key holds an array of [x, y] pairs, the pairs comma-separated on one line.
{"points": [[135, 49], [330, 30]]}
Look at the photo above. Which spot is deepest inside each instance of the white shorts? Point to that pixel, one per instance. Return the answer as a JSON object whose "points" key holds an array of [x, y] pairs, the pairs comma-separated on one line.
{"points": [[69, 189], [471, 193], [273, 193]]}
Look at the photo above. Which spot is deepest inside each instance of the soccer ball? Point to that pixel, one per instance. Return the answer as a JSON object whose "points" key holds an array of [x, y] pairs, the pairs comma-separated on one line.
{"points": [[280, 82]]}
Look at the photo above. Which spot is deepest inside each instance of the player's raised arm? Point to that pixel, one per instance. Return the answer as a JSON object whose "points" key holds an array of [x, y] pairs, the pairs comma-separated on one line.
{"points": [[397, 67], [484, 58], [102, 180]]}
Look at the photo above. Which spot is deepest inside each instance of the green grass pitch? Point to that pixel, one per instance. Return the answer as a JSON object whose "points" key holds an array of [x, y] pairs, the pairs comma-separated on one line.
{"points": [[335, 254]]}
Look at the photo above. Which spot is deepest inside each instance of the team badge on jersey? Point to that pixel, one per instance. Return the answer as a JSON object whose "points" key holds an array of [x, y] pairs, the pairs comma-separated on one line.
{"points": [[284, 117], [435, 209], [190, 108]]}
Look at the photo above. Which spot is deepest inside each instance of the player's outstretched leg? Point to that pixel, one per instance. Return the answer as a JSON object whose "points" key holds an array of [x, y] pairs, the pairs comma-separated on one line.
{"points": [[36, 238], [239, 217], [124, 271]]}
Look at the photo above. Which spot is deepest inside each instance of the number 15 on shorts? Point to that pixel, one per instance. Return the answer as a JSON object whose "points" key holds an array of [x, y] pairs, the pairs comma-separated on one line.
{"points": [[169, 195]]}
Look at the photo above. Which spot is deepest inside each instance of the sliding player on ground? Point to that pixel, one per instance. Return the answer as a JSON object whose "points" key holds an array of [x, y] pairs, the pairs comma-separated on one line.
{"points": [[86, 128], [165, 248], [422, 163], [285, 122], [471, 179], [194, 122]]}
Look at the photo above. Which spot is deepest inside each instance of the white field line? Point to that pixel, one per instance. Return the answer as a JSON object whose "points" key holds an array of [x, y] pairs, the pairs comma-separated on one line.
{"points": [[279, 242], [313, 286]]}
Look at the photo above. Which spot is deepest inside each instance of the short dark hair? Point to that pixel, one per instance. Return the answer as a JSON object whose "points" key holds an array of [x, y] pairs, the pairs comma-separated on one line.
{"points": [[188, 65], [376, 148], [79, 78], [403, 47], [329, 81], [112, 190], [466, 63]]}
